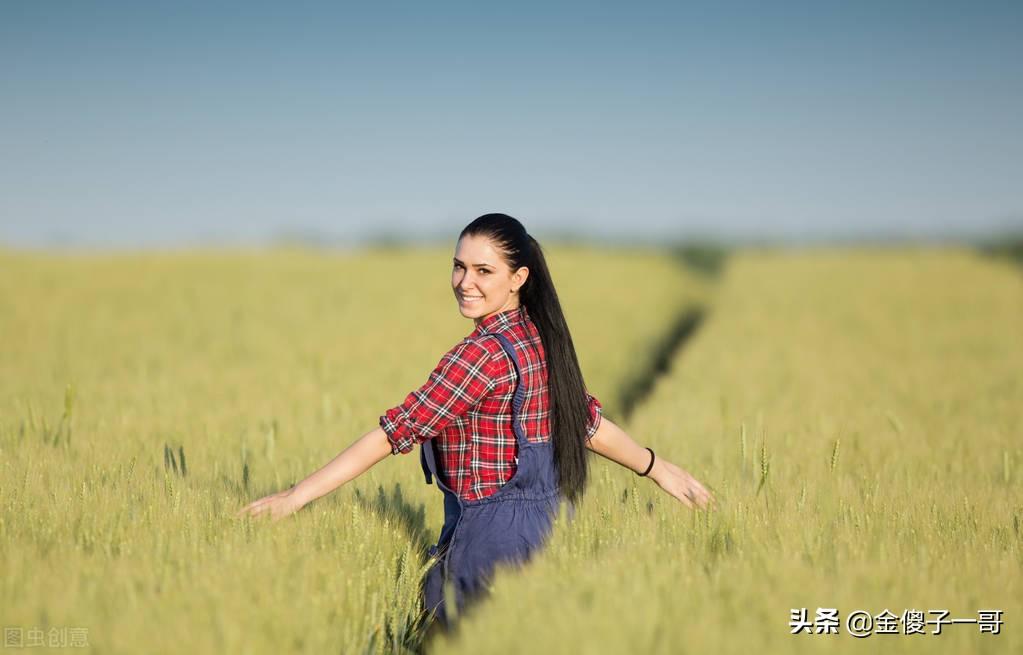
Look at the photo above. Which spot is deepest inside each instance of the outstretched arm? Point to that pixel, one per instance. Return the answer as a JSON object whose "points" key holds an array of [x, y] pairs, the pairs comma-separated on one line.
{"points": [[612, 442], [463, 376], [352, 462]]}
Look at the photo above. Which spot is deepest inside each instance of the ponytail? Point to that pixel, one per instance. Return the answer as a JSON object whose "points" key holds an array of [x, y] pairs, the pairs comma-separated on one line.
{"points": [[569, 408]]}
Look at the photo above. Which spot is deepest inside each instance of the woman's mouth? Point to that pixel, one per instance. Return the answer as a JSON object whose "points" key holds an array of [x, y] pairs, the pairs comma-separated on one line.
{"points": [[468, 300]]}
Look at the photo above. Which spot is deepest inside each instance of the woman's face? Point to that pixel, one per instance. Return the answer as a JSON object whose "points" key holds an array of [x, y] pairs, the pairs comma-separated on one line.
{"points": [[482, 282]]}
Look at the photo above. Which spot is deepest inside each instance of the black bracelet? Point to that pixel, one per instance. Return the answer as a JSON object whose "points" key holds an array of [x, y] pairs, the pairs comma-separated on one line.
{"points": [[643, 474]]}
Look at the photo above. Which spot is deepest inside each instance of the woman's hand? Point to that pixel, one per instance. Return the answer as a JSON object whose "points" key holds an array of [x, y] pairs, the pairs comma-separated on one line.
{"points": [[677, 482], [279, 505]]}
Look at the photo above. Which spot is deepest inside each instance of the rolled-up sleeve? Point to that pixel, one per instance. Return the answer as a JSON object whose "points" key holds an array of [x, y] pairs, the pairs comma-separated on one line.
{"points": [[463, 377], [595, 414]]}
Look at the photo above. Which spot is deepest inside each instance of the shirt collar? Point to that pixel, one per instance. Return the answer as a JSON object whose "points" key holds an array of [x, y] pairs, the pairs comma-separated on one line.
{"points": [[501, 320]]}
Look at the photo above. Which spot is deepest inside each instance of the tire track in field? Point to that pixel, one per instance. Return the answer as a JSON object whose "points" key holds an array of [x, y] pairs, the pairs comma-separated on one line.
{"points": [[685, 325], [708, 261]]}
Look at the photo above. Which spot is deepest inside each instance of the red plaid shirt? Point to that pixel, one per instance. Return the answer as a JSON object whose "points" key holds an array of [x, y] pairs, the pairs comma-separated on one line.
{"points": [[466, 406]]}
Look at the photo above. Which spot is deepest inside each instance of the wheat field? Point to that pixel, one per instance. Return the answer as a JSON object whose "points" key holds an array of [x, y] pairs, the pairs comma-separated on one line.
{"points": [[144, 398], [857, 412]]}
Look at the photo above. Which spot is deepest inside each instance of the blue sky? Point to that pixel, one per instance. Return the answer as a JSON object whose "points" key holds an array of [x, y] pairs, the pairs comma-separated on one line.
{"points": [[130, 124]]}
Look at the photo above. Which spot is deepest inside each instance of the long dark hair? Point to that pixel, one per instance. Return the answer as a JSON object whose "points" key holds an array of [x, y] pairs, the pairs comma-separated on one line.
{"points": [[569, 409]]}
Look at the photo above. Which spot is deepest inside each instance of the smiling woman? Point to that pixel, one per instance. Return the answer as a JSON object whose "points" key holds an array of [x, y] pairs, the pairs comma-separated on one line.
{"points": [[504, 421], [478, 290]]}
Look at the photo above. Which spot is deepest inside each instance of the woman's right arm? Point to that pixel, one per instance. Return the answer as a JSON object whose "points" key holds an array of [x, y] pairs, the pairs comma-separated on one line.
{"points": [[611, 442], [462, 377], [352, 462]]}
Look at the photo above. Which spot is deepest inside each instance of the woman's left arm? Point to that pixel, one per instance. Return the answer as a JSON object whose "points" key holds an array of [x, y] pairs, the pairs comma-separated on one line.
{"points": [[612, 442], [352, 462]]}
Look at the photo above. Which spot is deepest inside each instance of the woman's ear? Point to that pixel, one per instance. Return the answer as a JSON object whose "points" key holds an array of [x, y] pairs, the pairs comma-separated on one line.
{"points": [[521, 276]]}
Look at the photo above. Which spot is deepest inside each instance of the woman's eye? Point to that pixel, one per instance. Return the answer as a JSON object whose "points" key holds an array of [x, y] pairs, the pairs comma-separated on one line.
{"points": [[483, 270]]}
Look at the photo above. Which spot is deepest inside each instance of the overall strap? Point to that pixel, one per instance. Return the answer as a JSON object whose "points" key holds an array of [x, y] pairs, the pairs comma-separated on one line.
{"points": [[425, 465], [520, 390]]}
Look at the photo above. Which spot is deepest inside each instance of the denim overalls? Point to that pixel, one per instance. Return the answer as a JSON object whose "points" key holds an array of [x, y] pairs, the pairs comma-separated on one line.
{"points": [[508, 525]]}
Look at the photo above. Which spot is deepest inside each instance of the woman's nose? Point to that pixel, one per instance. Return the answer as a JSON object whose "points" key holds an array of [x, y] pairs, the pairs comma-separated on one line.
{"points": [[465, 282]]}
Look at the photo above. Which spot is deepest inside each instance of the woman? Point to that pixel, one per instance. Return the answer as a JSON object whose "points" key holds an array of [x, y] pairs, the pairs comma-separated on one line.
{"points": [[504, 421]]}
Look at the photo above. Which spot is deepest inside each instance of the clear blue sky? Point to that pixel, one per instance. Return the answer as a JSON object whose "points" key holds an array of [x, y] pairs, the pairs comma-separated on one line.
{"points": [[127, 124]]}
